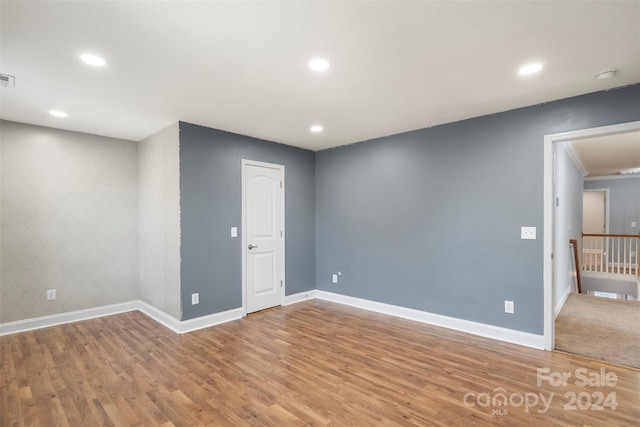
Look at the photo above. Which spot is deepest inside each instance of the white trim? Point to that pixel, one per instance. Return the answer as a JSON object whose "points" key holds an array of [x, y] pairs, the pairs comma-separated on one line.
{"points": [[186, 326], [243, 164], [597, 131], [577, 161], [561, 303], [549, 140], [159, 316], [170, 322], [488, 331], [67, 317], [608, 177], [548, 243], [283, 237], [299, 297], [214, 319], [243, 238]]}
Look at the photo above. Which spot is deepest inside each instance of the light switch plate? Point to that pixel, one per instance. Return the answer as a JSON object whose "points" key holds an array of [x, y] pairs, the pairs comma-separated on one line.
{"points": [[234, 231], [528, 233], [195, 299], [633, 224], [335, 278]]}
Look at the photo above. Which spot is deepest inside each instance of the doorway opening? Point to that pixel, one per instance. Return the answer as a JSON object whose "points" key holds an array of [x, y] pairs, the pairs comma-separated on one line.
{"points": [[549, 203], [595, 211]]}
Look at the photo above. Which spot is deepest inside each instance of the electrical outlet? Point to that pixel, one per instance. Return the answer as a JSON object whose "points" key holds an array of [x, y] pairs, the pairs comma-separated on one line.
{"points": [[508, 307], [195, 299], [335, 278], [51, 294], [633, 224], [234, 231]]}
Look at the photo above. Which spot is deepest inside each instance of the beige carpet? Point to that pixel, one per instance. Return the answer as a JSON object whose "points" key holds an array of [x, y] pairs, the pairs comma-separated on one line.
{"points": [[601, 328]]}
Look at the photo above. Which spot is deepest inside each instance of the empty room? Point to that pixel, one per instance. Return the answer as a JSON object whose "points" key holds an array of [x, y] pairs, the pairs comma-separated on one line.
{"points": [[327, 213]]}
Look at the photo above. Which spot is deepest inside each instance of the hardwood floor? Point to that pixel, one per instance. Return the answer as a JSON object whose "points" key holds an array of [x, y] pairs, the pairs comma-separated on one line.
{"points": [[312, 363]]}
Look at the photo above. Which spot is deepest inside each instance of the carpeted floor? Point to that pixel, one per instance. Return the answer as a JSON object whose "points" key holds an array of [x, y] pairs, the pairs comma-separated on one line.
{"points": [[601, 328]]}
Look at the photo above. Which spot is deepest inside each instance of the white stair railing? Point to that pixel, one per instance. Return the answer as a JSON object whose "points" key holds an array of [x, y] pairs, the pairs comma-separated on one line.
{"points": [[611, 253]]}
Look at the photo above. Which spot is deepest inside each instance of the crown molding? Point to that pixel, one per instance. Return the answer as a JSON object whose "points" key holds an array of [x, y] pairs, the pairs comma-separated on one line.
{"points": [[571, 150], [608, 177]]}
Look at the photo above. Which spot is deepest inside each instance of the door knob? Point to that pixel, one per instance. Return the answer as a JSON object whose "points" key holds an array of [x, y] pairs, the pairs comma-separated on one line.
{"points": [[252, 247]]}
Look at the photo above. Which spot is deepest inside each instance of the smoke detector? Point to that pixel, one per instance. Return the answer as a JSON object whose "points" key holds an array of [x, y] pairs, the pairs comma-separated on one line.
{"points": [[606, 74], [7, 81]]}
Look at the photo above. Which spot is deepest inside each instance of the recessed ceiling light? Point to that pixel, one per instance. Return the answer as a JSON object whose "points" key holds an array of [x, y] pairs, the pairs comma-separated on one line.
{"points": [[606, 75], [316, 128], [94, 60], [319, 64], [58, 113], [530, 69]]}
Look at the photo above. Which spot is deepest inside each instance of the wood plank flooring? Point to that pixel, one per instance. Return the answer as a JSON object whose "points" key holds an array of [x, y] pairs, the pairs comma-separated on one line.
{"points": [[313, 363]]}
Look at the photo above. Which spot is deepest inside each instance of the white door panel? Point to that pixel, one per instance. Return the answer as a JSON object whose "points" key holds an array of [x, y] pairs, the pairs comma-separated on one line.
{"points": [[594, 212], [264, 273], [263, 219]]}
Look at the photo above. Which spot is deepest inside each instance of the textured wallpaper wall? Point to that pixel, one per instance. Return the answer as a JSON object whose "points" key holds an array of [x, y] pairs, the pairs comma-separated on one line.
{"points": [[69, 218], [159, 220]]}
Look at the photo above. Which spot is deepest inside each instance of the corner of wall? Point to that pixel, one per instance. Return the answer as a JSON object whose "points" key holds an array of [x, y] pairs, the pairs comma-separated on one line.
{"points": [[159, 220]]}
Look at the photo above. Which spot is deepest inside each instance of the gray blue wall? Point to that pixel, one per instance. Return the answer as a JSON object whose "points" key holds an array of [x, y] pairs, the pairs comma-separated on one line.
{"points": [[431, 219], [210, 202], [624, 203]]}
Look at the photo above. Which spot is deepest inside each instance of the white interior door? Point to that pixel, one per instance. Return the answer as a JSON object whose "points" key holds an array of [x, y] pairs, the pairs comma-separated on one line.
{"points": [[263, 238], [594, 212], [595, 221]]}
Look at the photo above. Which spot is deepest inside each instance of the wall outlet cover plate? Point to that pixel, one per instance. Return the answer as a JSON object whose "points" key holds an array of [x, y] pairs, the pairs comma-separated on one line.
{"points": [[528, 233]]}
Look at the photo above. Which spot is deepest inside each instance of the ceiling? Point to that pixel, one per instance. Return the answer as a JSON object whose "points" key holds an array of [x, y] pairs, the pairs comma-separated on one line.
{"points": [[608, 155], [242, 66]]}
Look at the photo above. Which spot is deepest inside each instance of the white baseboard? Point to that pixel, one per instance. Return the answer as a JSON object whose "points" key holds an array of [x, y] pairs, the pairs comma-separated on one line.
{"points": [[185, 326], [210, 320], [68, 317], [560, 304], [488, 331], [159, 316], [299, 297], [177, 326]]}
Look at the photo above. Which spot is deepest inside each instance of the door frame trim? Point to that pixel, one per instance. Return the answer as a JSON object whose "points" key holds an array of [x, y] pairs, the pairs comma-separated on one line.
{"points": [[243, 165], [548, 202]]}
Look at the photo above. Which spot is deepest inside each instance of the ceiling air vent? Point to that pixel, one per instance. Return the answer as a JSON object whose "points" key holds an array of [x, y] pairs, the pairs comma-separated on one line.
{"points": [[7, 80]]}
